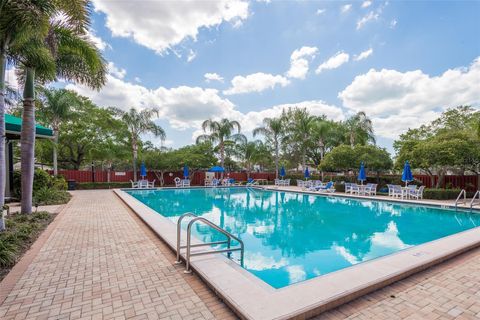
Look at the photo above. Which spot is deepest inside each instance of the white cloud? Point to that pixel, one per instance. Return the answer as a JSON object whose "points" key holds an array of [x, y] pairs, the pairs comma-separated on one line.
{"points": [[299, 62], [368, 17], [345, 8], [398, 100], [366, 4], [191, 55], [115, 71], [363, 55], [213, 77], [334, 62], [183, 107], [97, 41], [137, 79], [296, 273], [160, 25], [256, 82], [320, 11], [11, 78], [254, 119], [393, 23]]}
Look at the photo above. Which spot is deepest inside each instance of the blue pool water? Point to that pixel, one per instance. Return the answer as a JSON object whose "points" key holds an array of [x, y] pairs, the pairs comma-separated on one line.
{"points": [[290, 237]]}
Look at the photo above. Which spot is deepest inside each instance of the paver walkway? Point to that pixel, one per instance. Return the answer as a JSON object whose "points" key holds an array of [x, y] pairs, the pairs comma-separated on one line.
{"points": [[100, 262]]}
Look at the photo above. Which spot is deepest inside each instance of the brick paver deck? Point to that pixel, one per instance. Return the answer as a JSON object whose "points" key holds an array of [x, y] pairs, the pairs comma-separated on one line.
{"points": [[101, 261]]}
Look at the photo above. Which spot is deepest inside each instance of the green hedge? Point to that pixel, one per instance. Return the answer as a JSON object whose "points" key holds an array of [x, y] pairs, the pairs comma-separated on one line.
{"points": [[443, 194], [102, 185]]}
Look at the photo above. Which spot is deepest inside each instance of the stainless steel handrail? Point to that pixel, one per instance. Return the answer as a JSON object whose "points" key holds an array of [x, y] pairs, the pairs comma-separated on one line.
{"points": [[464, 197], [179, 233], [189, 245], [476, 195]]}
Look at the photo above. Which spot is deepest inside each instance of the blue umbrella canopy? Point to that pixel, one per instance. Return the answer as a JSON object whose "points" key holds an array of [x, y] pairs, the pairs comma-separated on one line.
{"points": [[407, 173], [143, 170], [185, 171], [282, 172], [306, 174], [216, 169], [362, 176]]}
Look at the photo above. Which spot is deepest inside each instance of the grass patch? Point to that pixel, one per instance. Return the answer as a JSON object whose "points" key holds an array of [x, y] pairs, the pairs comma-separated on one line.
{"points": [[22, 231]]}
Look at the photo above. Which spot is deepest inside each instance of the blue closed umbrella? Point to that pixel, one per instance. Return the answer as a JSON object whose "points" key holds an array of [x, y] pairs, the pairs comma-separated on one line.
{"points": [[407, 173], [185, 171], [143, 170], [306, 173], [216, 169], [282, 172], [362, 176]]}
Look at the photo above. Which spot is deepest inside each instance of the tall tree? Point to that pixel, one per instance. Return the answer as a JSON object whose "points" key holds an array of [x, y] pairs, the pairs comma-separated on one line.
{"points": [[139, 123], [55, 108], [298, 126], [272, 130], [359, 129], [62, 50], [223, 133], [18, 20]]}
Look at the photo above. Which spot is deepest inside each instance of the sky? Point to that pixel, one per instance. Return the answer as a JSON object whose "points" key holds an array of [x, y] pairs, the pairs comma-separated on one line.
{"points": [[402, 62]]}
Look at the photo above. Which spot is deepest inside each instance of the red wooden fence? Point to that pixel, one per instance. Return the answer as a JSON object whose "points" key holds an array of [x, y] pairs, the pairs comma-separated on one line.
{"points": [[462, 182], [125, 176]]}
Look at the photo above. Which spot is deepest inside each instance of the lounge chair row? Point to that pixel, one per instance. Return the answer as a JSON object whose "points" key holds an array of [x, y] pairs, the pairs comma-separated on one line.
{"points": [[282, 182], [143, 184], [409, 192], [369, 189], [318, 186]]}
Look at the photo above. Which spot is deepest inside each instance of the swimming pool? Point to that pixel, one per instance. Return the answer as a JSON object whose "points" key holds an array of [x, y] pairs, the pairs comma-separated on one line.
{"points": [[291, 237]]}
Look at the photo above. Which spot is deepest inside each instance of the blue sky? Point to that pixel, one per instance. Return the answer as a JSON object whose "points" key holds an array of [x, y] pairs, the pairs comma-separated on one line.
{"points": [[402, 62]]}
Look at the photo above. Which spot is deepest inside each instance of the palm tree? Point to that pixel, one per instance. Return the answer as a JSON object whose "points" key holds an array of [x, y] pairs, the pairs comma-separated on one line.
{"points": [[299, 124], [221, 133], [272, 130], [139, 123], [56, 49], [359, 128], [55, 109], [18, 19], [250, 152]]}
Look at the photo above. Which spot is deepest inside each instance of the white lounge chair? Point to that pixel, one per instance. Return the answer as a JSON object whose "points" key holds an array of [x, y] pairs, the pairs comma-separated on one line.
{"points": [[416, 193], [186, 182], [397, 191], [329, 187], [371, 189], [178, 182], [354, 189]]}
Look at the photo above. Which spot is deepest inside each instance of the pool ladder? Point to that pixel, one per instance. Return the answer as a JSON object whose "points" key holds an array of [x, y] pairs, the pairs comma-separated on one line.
{"points": [[464, 200], [189, 245]]}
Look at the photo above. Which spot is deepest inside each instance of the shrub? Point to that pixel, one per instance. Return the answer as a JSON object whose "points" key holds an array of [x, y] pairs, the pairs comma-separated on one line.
{"points": [[102, 185], [50, 196], [47, 189], [443, 194]]}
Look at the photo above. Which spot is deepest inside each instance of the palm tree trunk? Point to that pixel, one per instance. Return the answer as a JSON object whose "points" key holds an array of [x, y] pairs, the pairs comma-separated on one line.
{"points": [[135, 155], [3, 175], [222, 157], [276, 159], [55, 152], [27, 141]]}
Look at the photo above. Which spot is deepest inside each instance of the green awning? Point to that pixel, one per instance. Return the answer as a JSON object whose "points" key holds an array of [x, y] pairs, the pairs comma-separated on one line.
{"points": [[13, 125]]}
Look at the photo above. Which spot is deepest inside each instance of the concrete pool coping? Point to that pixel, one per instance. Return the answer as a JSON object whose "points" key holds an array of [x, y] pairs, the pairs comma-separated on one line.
{"points": [[251, 298]]}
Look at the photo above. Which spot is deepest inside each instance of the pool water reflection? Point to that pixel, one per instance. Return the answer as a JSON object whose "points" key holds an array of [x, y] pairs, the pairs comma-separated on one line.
{"points": [[290, 237]]}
